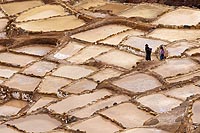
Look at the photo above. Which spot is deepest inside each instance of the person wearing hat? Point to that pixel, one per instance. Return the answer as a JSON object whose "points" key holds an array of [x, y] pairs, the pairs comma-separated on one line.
{"points": [[148, 52]]}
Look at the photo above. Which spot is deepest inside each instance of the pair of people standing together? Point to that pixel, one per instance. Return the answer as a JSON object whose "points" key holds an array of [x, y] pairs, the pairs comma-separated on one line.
{"points": [[148, 51]]}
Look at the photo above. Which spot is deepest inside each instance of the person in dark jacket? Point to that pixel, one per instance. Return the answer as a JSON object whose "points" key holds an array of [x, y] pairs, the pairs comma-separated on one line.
{"points": [[148, 51], [162, 53]]}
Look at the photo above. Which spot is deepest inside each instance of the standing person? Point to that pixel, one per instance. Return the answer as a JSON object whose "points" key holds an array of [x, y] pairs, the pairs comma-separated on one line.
{"points": [[162, 53], [148, 52]]}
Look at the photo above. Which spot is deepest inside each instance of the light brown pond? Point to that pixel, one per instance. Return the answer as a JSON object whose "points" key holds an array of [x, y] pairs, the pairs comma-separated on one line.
{"points": [[73, 72], [52, 84], [16, 59], [139, 43], [88, 111], [35, 123], [87, 53], [76, 101], [42, 12], [46, 25], [196, 111], [116, 39], [145, 11], [114, 7], [7, 72], [183, 77], [96, 125], [22, 82], [119, 58], [36, 49], [80, 86], [11, 107], [3, 24], [127, 114], [40, 68], [70, 49], [43, 101], [20, 6], [95, 14], [175, 34], [144, 130], [137, 82], [5, 129], [164, 103], [105, 74], [86, 4], [181, 16], [176, 66], [184, 92], [100, 32], [177, 49]]}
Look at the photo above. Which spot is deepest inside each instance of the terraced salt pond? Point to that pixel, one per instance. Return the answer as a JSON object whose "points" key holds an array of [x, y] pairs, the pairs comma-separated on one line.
{"points": [[28, 123], [96, 124], [19, 6], [139, 43], [196, 111], [3, 24], [105, 74], [89, 110], [116, 39], [139, 82], [40, 68], [180, 16], [42, 12], [144, 130], [11, 107], [148, 11], [7, 72], [23, 83], [69, 50], [183, 77], [87, 53], [62, 23], [73, 71], [184, 92], [178, 48], [175, 67], [43, 101], [164, 103], [100, 32], [36, 49], [174, 34], [16, 59], [127, 114], [115, 8], [80, 86], [76, 101], [5, 129], [51, 84], [119, 58], [86, 4]]}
